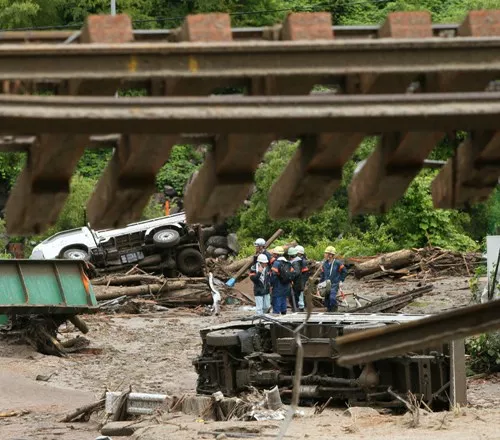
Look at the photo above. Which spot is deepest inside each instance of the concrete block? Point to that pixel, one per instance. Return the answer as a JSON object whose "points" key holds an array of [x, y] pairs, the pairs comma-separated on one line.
{"points": [[307, 26], [417, 24], [206, 27], [107, 29], [485, 23]]}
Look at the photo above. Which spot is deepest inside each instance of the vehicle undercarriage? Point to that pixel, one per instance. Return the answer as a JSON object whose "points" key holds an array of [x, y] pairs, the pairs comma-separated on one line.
{"points": [[261, 353]]}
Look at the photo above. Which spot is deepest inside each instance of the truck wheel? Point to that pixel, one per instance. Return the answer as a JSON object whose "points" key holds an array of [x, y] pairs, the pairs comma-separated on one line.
{"points": [[190, 262], [354, 328], [206, 233], [219, 252], [218, 241], [210, 251], [224, 338], [166, 238], [232, 243], [75, 254]]}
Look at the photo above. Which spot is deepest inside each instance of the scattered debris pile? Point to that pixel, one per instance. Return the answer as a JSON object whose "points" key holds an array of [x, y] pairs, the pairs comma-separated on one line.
{"points": [[115, 293], [41, 332], [388, 304], [409, 263]]}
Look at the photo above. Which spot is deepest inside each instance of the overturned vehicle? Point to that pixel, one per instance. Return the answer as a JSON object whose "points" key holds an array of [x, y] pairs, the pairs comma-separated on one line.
{"points": [[261, 353]]}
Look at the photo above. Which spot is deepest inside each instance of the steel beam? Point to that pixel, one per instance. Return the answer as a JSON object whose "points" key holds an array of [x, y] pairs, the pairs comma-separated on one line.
{"points": [[371, 345], [22, 144], [243, 33], [284, 115], [248, 58]]}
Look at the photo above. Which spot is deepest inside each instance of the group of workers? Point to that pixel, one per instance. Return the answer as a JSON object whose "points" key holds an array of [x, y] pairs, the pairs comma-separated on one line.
{"points": [[280, 276]]}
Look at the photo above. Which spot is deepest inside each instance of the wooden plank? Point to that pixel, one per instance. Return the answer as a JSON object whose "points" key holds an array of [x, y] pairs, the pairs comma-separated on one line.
{"points": [[391, 168], [212, 196], [399, 157], [226, 177], [43, 186], [312, 175], [471, 175], [316, 168], [129, 180]]}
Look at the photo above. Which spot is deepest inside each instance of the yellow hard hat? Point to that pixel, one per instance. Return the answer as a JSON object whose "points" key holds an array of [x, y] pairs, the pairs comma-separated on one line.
{"points": [[279, 250], [330, 250]]}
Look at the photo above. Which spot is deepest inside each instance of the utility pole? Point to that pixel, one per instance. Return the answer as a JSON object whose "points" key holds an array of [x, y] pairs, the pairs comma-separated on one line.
{"points": [[113, 7]]}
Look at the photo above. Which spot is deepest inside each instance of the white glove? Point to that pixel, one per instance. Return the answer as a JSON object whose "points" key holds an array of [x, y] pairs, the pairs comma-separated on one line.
{"points": [[341, 283]]}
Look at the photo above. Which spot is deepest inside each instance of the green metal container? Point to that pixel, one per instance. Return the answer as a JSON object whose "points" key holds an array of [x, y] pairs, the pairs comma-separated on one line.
{"points": [[45, 287]]}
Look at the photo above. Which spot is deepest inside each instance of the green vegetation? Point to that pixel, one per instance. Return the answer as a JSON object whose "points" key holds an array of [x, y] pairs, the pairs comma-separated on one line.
{"points": [[412, 222], [484, 353]]}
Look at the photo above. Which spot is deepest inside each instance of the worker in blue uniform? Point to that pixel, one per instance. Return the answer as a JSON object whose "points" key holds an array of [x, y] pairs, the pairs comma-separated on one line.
{"points": [[335, 271], [282, 277], [260, 248]]}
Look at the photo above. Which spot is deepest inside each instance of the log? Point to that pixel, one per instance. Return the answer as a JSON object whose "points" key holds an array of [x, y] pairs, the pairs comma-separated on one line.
{"points": [[237, 265], [121, 280], [393, 260], [85, 411], [104, 293], [186, 297]]}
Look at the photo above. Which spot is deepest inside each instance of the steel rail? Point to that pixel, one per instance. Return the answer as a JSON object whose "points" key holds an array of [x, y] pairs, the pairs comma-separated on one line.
{"points": [[283, 115], [249, 59], [429, 332], [242, 33], [22, 144]]}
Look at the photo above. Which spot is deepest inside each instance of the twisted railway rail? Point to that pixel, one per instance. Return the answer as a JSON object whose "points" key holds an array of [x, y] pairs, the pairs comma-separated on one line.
{"points": [[409, 82]]}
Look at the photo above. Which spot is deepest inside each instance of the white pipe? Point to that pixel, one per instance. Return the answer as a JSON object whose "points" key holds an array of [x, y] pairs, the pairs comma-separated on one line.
{"points": [[113, 7]]}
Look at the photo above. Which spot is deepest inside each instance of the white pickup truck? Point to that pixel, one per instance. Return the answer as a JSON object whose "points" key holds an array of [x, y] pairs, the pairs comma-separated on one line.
{"points": [[167, 242]]}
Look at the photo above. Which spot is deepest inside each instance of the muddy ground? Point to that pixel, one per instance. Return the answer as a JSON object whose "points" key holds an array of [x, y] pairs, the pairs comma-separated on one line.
{"points": [[153, 353]]}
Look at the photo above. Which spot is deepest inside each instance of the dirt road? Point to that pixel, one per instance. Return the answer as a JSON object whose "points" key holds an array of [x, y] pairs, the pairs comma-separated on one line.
{"points": [[153, 353]]}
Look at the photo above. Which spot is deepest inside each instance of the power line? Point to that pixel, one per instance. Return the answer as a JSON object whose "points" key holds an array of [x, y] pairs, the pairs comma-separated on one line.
{"points": [[164, 19]]}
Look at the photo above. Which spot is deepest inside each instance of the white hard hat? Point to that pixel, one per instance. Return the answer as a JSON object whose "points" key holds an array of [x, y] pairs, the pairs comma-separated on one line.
{"points": [[300, 249], [260, 242], [262, 258]]}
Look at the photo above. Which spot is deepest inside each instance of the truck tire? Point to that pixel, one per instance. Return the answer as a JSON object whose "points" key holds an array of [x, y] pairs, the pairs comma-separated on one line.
{"points": [[207, 232], [217, 241], [232, 243], [75, 254], [219, 252], [224, 338], [210, 251], [166, 238], [354, 328], [190, 262]]}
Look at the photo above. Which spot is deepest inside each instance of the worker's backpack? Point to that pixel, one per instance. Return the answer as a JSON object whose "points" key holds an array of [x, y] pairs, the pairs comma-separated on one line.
{"points": [[286, 272]]}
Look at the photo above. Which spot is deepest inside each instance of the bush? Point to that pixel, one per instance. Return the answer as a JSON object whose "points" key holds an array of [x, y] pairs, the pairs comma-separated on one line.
{"points": [[484, 353], [183, 162]]}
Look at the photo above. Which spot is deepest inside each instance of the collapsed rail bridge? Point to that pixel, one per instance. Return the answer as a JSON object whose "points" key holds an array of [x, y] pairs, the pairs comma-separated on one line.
{"points": [[408, 82]]}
